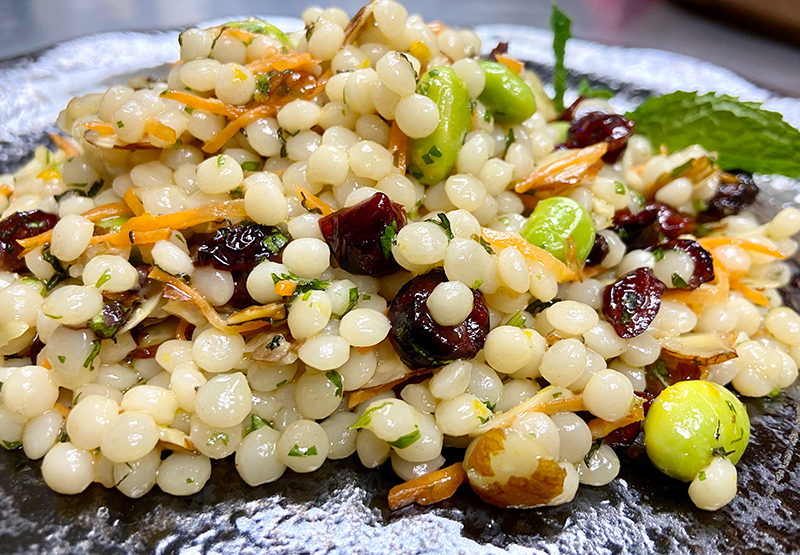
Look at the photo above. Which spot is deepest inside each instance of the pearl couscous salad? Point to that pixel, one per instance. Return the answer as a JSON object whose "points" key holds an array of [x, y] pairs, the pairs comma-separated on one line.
{"points": [[371, 238]]}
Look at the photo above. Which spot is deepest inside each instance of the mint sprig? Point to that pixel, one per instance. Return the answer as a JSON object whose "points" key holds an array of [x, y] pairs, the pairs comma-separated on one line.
{"points": [[744, 135], [560, 24]]}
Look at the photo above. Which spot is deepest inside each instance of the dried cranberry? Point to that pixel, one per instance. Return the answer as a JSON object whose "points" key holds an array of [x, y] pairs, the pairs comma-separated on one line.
{"points": [[663, 373], [360, 236], [631, 303], [598, 252], [730, 198], [241, 297], [597, 127], [623, 437], [241, 247], [567, 114], [419, 340], [651, 225], [21, 225], [501, 48], [703, 262]]}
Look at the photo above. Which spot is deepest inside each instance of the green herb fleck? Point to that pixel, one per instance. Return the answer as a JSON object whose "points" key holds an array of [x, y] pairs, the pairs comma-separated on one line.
{"points": [[486, 246], [435, 152], [236, 193], [489, 405], [281, 383], [104, 277], [557, 394], [366, 418], [680, 169], [517, 320], [658, 254], [11, 445], [387, 239], [595, 446], [218, 436], [189, 480], [351, 304], [221, 160], [256, 422], [366, 297], [537, 306], [120, 124], [678, 281], [62, 359], [487, 116], [560, 24], [721, 452], [629, 302], [659, 372], [477, 283], [298, 451], [702, 476], [619, 188], [510, 140], [699, 205], [406, 440], [250, 166], [586, 90], [442, 221], [336, 379], [96, 344]]}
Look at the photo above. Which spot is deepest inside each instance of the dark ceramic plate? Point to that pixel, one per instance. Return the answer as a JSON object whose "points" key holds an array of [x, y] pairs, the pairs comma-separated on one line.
{"points": [[342, 507]]}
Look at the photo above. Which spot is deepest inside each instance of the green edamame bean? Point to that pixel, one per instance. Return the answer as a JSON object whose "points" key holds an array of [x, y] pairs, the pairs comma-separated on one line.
{"points": [[432, 158], [262, 28], [506, 96], [553, 221], [689, 423]]}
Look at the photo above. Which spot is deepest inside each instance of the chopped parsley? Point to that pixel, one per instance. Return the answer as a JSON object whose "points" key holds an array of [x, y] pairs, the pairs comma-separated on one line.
{"points": [[303, 287], [96, 344], [336, 379], [298, 451], [678, 281], [352, 301], [517, 320], [250, 166], [62, 359], [366, 418], [387, 239], [11, 445], [120, 124], [281, 383], [619, 188], [104, 277], [256, 422], [702, 476], [217, 437], [406, 440], [658, 254], [442, 221], [189, 480], [477, 283], [595, 446]]}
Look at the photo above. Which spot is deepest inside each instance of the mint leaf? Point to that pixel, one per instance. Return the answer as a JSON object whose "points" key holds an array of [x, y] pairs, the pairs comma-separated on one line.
{"points": [[406, 440], [336, 379], [560, 24], [298, 451], [744, 135], [366, 418]]}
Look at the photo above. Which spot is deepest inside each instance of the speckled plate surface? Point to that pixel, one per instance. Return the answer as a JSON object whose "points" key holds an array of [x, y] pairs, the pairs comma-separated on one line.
{"points": [[342, 507]]}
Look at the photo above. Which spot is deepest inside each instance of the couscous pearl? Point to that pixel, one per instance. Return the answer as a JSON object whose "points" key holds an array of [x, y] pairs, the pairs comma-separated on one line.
{"points": [[224, 400], [608, 395], [68, 469], [88, 420], [219, 174], [450, 303], [29, 391], [571, 318], [307, 257], [364, 327], [564, 362], [71, 236], [129, 436]]}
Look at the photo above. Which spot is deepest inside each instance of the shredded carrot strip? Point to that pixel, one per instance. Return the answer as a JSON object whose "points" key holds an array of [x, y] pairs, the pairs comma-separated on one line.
{"points": [[311, 202], [750, 294], [570, 169], [213, 105], [240, 34], [6, 189], [398, 145], [708, 293], [65, 144], [709, 243], [100, 126], [160, 131], [553, 264], [430, 488], [282, 62], [225, 209], [601, 428], [213, 317], [110, 210], [123, 240], [95, 215], [285, 287], [180, 331], [230, 130], [510, 62], [133, 201]]}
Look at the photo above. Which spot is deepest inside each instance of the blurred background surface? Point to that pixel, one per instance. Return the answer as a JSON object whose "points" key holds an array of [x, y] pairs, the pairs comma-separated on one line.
{"points": [[761, 46]]}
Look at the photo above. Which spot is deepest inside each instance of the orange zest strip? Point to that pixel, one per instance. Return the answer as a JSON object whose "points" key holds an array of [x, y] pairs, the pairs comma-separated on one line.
{"points": [[242, 121], [562, 271], [708, 293], [240, 34], [95, 215], [364, 350], [601, 428], [6, 189], [709, 243], [100, 126], [360, 395], [285, 287], [160, 131], [180, 331], [311, 202], [65, 144], [562, 404], [510, 62], [213, 317], [282, 62], [569, 169], [398, 145], [213, 105], [133, 201], [225, 209], [750, 294], [430, 488], [124, 240]]}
